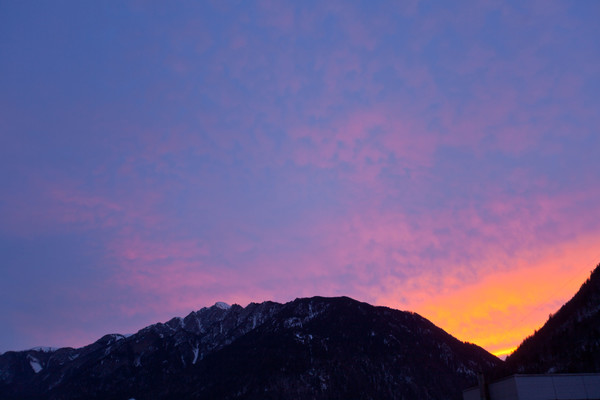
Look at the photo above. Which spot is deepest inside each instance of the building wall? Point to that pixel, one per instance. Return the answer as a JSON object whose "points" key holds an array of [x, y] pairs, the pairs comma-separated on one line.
{"points": [[542, 387], [558, 386], [505, 389], [539, 388]]}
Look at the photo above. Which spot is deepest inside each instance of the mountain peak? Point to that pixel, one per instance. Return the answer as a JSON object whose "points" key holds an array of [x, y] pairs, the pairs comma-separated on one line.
{"points": [[222, 305]]}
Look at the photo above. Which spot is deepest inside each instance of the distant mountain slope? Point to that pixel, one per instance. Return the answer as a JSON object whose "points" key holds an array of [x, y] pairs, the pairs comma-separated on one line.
{"points": [[570, 339], [317, 348]]}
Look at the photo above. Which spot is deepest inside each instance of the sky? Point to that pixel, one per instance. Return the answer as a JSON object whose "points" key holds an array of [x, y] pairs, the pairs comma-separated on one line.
{"points": [[157, 157]]}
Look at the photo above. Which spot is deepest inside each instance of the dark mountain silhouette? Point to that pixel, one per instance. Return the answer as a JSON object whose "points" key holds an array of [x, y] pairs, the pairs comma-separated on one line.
{"points": [[316, 348], [570, 339]]}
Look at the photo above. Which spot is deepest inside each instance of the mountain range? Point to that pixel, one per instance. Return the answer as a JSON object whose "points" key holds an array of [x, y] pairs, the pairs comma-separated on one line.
{"points": [[309, 348], [312, 348]]}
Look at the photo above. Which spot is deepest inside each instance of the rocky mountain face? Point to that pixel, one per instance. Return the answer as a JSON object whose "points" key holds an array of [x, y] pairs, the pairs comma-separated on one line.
{"points": [[570, 339], [315, 348]]}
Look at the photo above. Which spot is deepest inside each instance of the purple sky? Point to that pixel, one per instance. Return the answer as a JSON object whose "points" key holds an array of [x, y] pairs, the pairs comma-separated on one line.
{"points": [[157, 157]]}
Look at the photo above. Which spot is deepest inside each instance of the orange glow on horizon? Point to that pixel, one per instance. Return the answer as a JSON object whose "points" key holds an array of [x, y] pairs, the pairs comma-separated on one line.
{"points": [[502, 308], [504, 353]]}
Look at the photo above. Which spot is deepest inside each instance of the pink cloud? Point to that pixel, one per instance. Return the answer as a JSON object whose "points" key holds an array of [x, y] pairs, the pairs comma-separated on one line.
{"points": [[364, 140]]}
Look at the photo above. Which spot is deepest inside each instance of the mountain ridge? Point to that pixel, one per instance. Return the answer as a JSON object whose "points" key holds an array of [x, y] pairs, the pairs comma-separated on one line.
{"points": [[308, 348], [569, 342]]}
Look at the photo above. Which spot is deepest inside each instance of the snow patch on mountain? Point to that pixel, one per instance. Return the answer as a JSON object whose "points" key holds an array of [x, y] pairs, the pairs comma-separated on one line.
{"points": [[222, 305], [34, 363], [195, 350]]}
